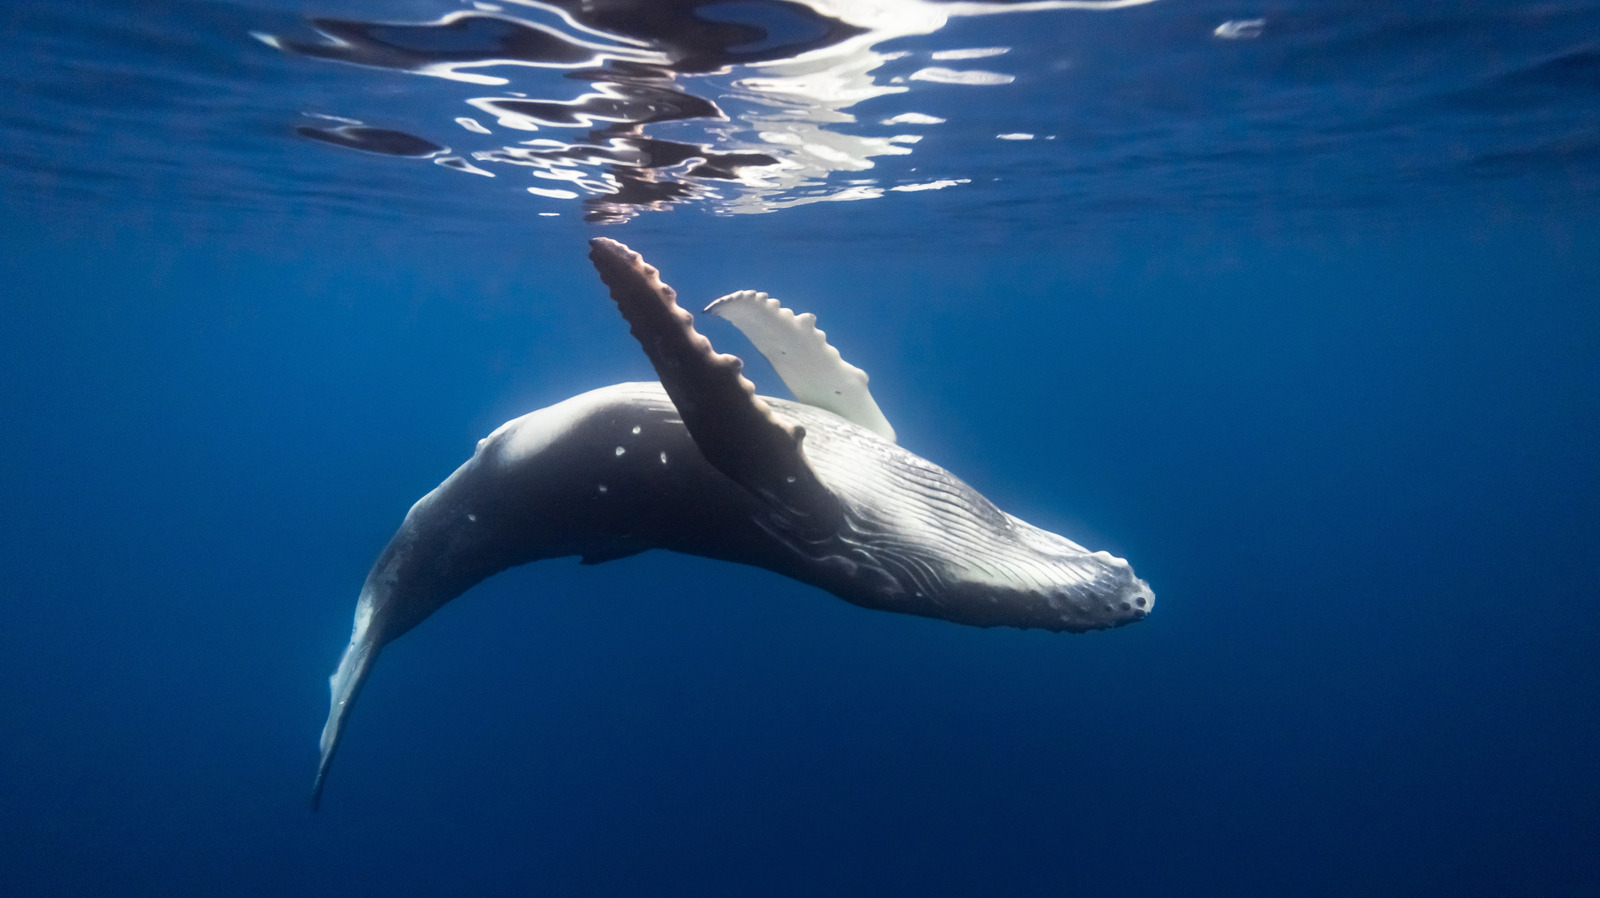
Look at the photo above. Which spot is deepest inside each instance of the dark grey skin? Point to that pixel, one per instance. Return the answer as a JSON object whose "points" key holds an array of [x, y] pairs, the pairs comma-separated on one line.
{"points": [[701, 465]]}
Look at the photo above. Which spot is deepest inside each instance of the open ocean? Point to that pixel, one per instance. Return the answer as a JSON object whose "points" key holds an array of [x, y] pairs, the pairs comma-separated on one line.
{"points": [[1293, 304]]}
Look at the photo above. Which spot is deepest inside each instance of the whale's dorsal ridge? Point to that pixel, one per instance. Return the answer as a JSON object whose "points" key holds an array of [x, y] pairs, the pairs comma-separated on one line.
{"points": [[736, 431], [799, 351]]}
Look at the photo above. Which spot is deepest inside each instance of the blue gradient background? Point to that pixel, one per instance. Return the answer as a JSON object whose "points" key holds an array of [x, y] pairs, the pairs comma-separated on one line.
{"points": [[1357, 463]]}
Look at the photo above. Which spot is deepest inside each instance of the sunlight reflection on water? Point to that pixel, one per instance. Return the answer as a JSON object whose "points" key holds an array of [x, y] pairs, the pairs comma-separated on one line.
{"points": [[740, 106]]}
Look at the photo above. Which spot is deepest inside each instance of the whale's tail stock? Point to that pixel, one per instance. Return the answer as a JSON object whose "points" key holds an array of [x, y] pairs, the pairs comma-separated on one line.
{"points": [[345, 685]]}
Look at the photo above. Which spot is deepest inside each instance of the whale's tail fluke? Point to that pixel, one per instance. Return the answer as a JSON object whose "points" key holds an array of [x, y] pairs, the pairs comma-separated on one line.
{"points": [[345, 685]]}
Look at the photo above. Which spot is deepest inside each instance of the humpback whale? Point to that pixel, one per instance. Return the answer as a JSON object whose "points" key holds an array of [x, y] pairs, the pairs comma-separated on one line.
{"points": [[816, 490]]}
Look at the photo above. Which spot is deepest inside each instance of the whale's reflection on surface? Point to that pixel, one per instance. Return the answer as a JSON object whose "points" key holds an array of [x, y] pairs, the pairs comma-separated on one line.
{"points": [[743, 105]]}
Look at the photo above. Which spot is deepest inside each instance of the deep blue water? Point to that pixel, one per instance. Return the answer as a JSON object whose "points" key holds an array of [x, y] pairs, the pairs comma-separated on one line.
{"points": [[1305, 325]]}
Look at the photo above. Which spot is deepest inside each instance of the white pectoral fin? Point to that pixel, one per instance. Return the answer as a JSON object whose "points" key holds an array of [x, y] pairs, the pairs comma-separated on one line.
{"points": [[811, 368]]}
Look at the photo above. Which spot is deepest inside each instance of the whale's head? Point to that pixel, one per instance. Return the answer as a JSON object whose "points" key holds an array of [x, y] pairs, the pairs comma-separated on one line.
{"points": [[1122, 597], [1067, 587]]}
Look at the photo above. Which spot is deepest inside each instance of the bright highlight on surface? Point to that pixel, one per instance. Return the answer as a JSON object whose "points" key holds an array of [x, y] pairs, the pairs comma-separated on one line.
{"points": [[952, 76], [754, 115], [1240, 29], [974, 53], [931, 185]]}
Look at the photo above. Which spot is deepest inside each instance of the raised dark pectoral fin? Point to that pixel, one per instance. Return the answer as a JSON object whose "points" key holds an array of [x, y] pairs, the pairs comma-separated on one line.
{"points": [[738, 433]]}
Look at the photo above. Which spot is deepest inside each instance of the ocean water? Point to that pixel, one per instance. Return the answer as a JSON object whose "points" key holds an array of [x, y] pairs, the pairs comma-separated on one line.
{"points": [[1294, 305]]}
